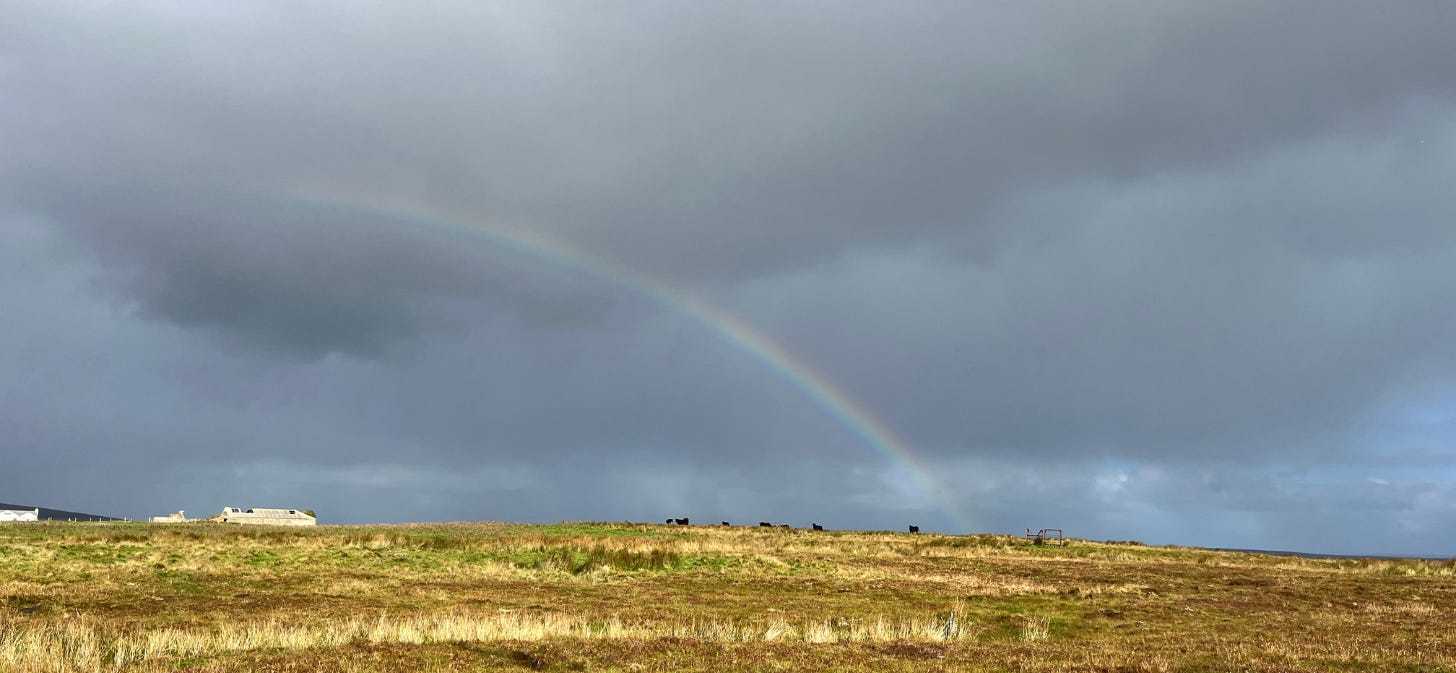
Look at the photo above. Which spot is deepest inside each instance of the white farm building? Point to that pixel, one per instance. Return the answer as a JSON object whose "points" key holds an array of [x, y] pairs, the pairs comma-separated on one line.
{"points": [[263, 516], [19, 515]]}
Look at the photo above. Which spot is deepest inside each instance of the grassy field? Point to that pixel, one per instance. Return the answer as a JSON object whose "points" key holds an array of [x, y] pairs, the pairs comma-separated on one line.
{"points": [[627, 597]]}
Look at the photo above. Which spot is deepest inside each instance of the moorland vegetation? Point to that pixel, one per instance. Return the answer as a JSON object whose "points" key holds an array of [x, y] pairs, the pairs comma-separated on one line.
{"points": [[199, 597]]}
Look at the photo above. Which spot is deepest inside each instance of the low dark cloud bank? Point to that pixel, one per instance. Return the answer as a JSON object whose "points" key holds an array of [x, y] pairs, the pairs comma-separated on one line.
{"points": [[1177, 272]]}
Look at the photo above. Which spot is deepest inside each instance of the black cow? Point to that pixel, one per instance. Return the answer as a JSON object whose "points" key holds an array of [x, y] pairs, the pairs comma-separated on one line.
{"points": [[915, 529], [817, 526], [725, 523], [681, 522], [765, 524], [669, 522], [784, 525]]}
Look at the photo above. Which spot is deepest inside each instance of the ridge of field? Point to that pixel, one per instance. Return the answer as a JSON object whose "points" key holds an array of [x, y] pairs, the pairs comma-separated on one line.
{"points": [[636, 597]]}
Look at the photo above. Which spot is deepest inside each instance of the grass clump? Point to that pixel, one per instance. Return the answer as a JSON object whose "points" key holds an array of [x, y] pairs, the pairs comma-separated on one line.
{"points": [[578, 560]]}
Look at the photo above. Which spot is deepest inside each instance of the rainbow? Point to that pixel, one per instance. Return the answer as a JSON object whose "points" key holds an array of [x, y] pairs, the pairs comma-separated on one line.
{"points": [[814, 386]]}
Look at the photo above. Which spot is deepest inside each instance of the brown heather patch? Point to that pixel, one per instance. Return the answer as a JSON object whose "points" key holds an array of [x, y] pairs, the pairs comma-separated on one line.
{"points": [[632, 597]]}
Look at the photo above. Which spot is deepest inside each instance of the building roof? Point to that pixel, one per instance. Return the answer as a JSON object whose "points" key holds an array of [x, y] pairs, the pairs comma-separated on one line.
{"points": [[48, 514], [276, 512]]}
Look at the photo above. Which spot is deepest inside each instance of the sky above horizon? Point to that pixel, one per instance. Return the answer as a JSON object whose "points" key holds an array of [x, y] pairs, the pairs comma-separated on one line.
{"points": [[1163, 271]]}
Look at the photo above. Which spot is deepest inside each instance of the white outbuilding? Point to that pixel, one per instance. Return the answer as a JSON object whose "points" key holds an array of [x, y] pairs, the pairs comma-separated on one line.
{"points": [[19, 515], [265, 516]]}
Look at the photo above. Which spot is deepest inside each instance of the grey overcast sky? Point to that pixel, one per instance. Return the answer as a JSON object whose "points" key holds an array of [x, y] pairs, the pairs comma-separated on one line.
{"points": [[1182, 272]]}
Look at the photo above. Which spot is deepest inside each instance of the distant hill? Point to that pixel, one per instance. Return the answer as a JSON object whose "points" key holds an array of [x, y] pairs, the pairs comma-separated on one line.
{"points": [[48, 514]]}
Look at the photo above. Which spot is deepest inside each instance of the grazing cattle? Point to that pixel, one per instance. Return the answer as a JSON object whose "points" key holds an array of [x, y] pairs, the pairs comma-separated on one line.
{"points": [[817, 526], [669, 522], [784, 525], [725, 523], [681, 522], [765, 524], [915, 529]]}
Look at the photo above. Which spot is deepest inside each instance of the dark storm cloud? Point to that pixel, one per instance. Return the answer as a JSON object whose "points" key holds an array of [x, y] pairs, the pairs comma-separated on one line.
{"points": [[306, 278], [1197, 316], [715, 139], [1053, 241]]}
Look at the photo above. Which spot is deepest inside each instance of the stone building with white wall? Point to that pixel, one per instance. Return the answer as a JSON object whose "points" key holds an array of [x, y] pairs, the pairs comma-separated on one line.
{"points": [[264, 516]]}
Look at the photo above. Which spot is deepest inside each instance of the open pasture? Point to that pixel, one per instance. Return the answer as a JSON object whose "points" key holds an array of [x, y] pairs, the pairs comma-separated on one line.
{"points": [[633, 597]]}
